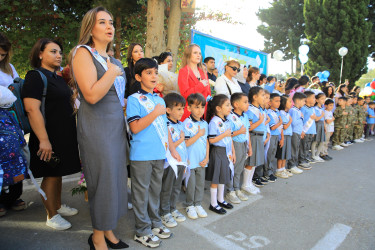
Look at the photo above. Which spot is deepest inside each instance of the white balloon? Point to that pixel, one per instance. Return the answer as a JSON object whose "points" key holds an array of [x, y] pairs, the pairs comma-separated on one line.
{"points": [[303, 58], [343, 51], [278, 55], [304, 49]]}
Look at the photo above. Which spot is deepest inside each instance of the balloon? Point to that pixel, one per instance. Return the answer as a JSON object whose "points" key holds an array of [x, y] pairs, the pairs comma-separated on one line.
{"points": [[373, 98], [303, 58], [304, 49], [368, 84], [323, 79], [367, 91], [361, 94], [326, 74], [343, 51], [373, 85], [278, 55], [320, 75]]}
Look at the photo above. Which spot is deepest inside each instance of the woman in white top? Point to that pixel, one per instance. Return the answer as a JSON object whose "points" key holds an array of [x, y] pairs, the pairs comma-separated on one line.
{"points": [[227, 84], [7, 71], [167, 79]]}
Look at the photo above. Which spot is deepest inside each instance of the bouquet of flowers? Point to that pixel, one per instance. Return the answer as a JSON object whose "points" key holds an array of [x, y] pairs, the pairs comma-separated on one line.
{"points": [[212, 85], [81, 188]]}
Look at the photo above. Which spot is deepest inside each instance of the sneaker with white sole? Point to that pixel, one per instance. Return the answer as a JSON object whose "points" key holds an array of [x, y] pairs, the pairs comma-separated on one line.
{"points": [[318, 159], [281, 174], [241, 195], [358, 141], [67, 211], [162, 232], [179, 217], [130, 206], [151, 240], [59, 223], [200, 211], [337, 147], [344, 145], [288, 172], [295, 170], [191, 212], [168, 220], [249, 190], [304, 166], [232, 197]]}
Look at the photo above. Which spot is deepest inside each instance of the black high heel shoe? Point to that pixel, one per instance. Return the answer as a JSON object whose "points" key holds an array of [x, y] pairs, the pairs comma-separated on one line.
{"points": [[91, 243], [119, 245]]}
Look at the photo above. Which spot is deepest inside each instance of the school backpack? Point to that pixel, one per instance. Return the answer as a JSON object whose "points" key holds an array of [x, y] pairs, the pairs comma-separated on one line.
{"points": [[17, 109], [12, 161]]}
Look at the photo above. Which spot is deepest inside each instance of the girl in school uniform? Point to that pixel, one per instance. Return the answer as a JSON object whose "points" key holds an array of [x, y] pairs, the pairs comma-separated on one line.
{"points": [[284, 153], [222, 155], [318, 143], [257, 127]]}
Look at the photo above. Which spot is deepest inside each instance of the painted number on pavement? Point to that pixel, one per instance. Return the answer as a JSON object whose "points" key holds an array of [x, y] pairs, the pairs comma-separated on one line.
{"points": [[249, 242]]}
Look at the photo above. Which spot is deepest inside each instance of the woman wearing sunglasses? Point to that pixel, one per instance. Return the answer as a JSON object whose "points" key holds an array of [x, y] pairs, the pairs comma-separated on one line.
{"points": [[227, 84]]}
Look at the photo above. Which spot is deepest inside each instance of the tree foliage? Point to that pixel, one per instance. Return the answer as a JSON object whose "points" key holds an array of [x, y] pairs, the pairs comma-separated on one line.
{"points": [[332, 24], [371, 16], [282, 27]]}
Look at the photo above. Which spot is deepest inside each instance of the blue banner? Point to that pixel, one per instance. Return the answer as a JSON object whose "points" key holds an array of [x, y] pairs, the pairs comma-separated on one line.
{"points": [[223, 51]]}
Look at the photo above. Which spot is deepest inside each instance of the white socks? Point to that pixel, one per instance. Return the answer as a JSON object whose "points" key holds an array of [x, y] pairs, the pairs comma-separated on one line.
{"points": [[220, 193], [313, 149], [251, 177], [213, 192], [246, 177]]}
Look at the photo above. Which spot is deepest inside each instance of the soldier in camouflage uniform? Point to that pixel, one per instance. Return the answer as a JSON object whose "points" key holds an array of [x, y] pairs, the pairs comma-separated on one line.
{"points": [[341, 122], [351, 120], [358, 126]]}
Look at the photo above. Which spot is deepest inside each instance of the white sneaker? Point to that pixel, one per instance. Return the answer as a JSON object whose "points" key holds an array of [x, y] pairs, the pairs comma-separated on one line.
{"points": [[296, 170], [250, 190], [179, 217], [318, 159], [151, 240], [288, 172], [241, 195], [191, 212], [255, 188], [168, 220], [358, 141], [130, 206], [281, 174], [162, 232], [59, 223], [348, 143], [232, 197], [337, 147], [200, 211], [67, 211], [344, 145]]}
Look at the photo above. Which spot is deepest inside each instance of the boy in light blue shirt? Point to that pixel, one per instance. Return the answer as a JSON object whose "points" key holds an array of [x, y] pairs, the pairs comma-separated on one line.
{"points": [[241, 142], [149, 146], [196, 134]]}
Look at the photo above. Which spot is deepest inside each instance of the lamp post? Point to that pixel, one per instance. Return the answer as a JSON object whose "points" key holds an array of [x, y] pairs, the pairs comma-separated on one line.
{"points": [[342, 52]]}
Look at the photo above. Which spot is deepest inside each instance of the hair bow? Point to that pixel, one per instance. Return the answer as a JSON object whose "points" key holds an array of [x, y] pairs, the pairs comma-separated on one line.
{"points": [[209, 98]]}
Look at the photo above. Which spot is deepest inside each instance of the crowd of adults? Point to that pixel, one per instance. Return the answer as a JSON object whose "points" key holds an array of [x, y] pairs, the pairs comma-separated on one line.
{"points": [[101, 132]]}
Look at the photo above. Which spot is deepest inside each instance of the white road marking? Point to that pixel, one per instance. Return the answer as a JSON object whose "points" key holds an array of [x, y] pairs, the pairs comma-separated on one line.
{"points": [[333, 239]]}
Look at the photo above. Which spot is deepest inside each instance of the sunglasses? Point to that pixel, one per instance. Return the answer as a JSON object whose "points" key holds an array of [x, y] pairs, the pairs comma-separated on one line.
{"points": [[235, 68]]}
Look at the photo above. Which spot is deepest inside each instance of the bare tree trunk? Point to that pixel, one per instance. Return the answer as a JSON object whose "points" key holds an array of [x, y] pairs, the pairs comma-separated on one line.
{"points": [[118, 38], [155, 42], [173, 35], [292, 66]]}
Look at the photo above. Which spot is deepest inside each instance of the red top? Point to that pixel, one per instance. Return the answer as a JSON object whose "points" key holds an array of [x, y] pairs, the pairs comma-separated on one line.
{"points": [[188, 84]]}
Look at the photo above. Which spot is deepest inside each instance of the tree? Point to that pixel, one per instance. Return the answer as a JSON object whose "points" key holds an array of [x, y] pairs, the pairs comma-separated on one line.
{"points": [[282, 27], [371, 16], [24, 22], [331, 24]]}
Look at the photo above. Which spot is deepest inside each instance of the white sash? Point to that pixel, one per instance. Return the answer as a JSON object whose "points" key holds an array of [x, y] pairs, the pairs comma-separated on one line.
{"points": [[119, 81], [193, 129], [227, 141], [161, 130], [255, 111]]}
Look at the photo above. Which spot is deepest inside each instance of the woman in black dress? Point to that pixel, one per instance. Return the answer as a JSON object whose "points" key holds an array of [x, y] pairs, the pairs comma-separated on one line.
{"points": [[135, 52], [52, 135]]}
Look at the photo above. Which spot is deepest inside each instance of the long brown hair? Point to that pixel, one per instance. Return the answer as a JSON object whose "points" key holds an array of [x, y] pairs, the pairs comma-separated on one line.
{"points": [[7, 47], [187, 54], [251, 70], [129, 58]]}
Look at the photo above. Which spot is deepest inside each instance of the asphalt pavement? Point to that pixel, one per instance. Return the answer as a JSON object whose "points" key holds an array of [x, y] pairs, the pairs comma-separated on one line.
{"points": [[331, 206]]}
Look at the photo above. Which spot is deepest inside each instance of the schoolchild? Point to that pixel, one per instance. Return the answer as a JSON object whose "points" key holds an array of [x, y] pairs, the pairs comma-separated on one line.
{"points": [[341, 120], [277, 135], [196, 133], [370, 119], [357, 134], [361, 119], [257, 130], [222, 153], [349, 131], [149, 148], [172, 177], [308, 132], [295, 113], [329, 125], [284, 152], [319, 139], [241, 142]]}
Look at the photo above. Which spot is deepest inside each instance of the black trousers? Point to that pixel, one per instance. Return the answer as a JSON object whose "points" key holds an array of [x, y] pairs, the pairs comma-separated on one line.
{"points": [[15, 192]]}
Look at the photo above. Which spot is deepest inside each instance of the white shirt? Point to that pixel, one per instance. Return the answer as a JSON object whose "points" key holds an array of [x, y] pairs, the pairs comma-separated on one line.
{"points": [[5, 79], [328, 115], [223, 83]]}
